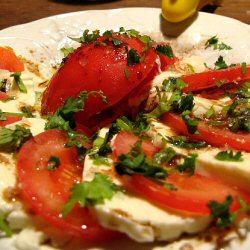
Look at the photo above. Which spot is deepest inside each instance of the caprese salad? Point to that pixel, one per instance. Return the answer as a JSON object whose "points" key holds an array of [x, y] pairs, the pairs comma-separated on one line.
{"points": [[126, 145]]}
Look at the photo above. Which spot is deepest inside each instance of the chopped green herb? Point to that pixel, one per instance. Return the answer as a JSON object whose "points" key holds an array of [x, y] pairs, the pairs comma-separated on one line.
{"points": [[2, 116], [3, 85], [172, 84], [8, 99], [188, 165], [99, 160], [182, 142], [133, 57], [229, 156], [214, 42], [19, 82], [4, 227], [116, 42], [87, 37], [210, 112], [12, 139], [191, 123], [90, 193], [170, 186], [67, 51], [165, 50], [136, 162], [27, 112], [219, 83], [54, 163], [221, 211], [164, 156], [190, 66], [244, 68], [126, 70], [220, 63]]}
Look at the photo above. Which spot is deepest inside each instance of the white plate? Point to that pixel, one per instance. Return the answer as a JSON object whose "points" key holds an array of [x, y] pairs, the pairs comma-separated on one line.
{"points": [[41, 41]]}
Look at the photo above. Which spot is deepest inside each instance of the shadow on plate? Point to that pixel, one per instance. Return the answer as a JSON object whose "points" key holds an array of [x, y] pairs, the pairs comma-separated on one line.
{"points": [[84, 2]]}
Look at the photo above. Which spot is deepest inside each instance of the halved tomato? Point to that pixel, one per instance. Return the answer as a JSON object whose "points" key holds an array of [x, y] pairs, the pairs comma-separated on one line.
{"points": [[9, 61], [216, 136], [211, 78], [9, 120], [46, 191], [102, 67]]}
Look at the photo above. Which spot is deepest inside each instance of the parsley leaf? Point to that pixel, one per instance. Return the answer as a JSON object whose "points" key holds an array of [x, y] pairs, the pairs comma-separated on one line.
{"points": [[191, 123], [87, 37], [2, 116], [27, 112], [164, 156], [90, 193], [67, 51], [188, 165], [13, 139], [214, 42], [244, 68], [220, 63], [4, 227], [133, 57], [116, 41], [136, 162], [221, 212], [165, 50], [19, 82], [54, 163], [183, 142], [229, 156]]}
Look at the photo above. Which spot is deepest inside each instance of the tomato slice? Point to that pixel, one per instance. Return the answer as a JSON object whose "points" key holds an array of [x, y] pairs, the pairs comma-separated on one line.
{"points": [[192, 195], [3, 96], [216, 136], [208, 79], [9, 120], [9, 61], [97, 68], [46, 191], [125, 141]]}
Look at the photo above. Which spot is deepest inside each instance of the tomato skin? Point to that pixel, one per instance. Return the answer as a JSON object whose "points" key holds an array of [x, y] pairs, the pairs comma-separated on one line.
{"points": [[9, 61], [215, 136], [10, 119], [46, 191], [192, 195], [208, 79], [124, 141], [3, 96], [98, 68]]}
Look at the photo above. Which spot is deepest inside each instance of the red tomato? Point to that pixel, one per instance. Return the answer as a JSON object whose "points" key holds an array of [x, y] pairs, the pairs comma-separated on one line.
{"points": [[46, 191], [93, 67], [9, 60], [208, 79], [10, 119], [125, 141], [3, 96], [192, 195], [216, 136]]}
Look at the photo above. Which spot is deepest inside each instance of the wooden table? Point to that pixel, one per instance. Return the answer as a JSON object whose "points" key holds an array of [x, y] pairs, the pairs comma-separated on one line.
{"points": [[14, 12]]}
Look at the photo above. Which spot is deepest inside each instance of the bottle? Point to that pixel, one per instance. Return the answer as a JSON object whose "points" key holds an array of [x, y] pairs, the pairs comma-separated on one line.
{"points": [[178, 10]]}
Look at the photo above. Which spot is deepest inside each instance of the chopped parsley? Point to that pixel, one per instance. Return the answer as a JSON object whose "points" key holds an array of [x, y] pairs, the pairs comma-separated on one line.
{"points": [[27, 112], [67, 51], [165, 50], [244, 68], [214, 42], [220, 63], [136, 162], [183, 142], [133, 57], [188, 165], [4, 227], [99, 160], [54, 163], [2, 116], [191, 123], [87, 37], [164, 156], [19, 82], [109, 34], [221, 211], [90, 193], [229, 156], [12, 139]]}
